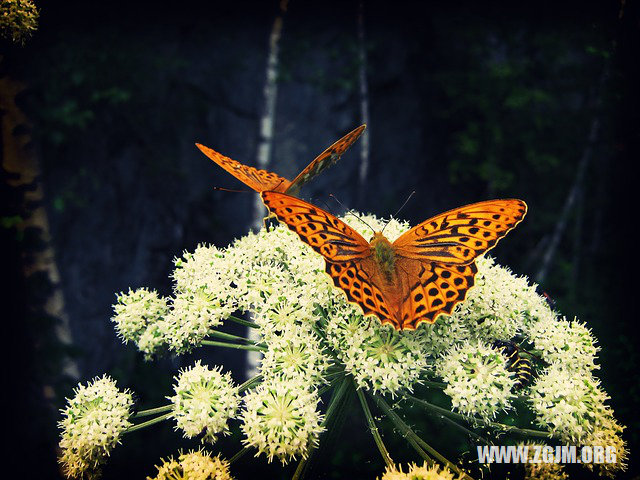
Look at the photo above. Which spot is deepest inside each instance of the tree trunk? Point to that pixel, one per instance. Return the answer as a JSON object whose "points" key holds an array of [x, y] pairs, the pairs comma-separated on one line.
{"points": [[561, 224], [364, 107], [265, 147], [268, 118], [25, 175]]}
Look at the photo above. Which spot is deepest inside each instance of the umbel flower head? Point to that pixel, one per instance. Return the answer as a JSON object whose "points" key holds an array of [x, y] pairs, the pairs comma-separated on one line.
{"points": [[478, 380], [92, 424], [534, 469], [138, 314], [281, 419], [204, 400], [420, 472], [313, 339], [194, 465]]}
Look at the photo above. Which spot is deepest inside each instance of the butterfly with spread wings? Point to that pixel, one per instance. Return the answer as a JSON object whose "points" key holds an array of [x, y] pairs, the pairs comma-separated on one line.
{"points": [[263, 180], [421, 275]]}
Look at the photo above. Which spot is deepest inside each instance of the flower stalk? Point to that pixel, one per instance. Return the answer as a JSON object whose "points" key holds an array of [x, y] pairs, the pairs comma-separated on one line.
{"points": [[374, 429]]}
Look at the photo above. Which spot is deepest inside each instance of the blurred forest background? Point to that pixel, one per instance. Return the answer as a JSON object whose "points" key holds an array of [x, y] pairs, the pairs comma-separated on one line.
{"points": [[102, 185]]}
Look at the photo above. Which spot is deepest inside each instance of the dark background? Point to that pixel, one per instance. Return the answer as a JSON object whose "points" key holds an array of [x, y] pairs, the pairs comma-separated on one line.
{"points": [[466, 103]]}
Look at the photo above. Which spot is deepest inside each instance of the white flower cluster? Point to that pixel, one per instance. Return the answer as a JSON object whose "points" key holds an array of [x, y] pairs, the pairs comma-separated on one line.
{"points": [[281, 419], [478, 380], [568, 343], [378, 357], [137, 315], [292, 356], [203, 402], [92, 424], [572, 406], [312, 334], [201, 301]]}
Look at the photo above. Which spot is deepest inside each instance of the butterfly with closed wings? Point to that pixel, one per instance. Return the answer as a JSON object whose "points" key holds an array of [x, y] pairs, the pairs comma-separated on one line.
{"points": [[263, 180], [421, 275]]}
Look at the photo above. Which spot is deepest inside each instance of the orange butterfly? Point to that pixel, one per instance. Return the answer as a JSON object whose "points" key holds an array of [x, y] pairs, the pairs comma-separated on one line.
{"points": [[423, 274], [262, 180]]}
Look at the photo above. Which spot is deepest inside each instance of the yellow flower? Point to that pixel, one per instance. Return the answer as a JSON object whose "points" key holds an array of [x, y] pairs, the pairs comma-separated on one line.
{"points": [[18, 19], [419, 472], [194, 465]]}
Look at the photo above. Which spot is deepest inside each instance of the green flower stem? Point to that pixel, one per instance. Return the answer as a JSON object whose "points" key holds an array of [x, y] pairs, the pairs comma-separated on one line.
{"points": [[499, 426], [429, 383], [242, 321], [415, 440], [255, 348], [336, 400], [374, 429], [148, 423], [249, 383], [238, 455], [333, 374], [227, 336], [439, 415], [404, 429], [152, 411]]}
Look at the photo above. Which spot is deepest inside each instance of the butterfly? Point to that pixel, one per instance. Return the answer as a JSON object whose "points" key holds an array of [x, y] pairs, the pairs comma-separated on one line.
{"points": [[262, 180], [421, 275]]}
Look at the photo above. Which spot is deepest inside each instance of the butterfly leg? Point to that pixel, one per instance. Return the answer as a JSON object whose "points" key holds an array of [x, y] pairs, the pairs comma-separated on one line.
{"points": [[265, 219]]}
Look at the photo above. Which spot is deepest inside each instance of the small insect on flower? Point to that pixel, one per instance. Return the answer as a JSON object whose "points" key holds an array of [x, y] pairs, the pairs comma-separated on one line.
{"points": [[515, 363], [550, 300]]}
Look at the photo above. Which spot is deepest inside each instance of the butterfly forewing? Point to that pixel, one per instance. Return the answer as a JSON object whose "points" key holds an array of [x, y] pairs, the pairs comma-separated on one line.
{"points": [[259, 180], [326, 234], [460, 235], [323, 161]]}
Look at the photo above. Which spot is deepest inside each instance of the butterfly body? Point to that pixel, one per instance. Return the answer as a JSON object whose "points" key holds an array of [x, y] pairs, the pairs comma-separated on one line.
{"points": [[421, 275], [384, 256]]}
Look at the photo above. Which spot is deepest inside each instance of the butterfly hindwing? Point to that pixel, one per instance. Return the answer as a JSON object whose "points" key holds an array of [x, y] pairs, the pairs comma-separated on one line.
{"points": [[326, 234], [353, 278], [323, 161], [259, 180], [460, 235], [434, 289]]}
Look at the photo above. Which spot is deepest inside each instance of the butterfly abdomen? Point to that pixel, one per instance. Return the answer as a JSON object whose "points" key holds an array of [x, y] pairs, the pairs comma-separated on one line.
{"points": [[384, 255]]}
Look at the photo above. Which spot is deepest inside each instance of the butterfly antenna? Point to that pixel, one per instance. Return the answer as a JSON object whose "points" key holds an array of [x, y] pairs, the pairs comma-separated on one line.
{"points": [[230, 190], [403, 205], [349, 212], [326, 205]]}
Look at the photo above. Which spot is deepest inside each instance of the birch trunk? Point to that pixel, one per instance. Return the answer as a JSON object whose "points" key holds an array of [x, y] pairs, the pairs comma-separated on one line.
{"points": [[267, 120], [265, 147], [364, 107]]}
